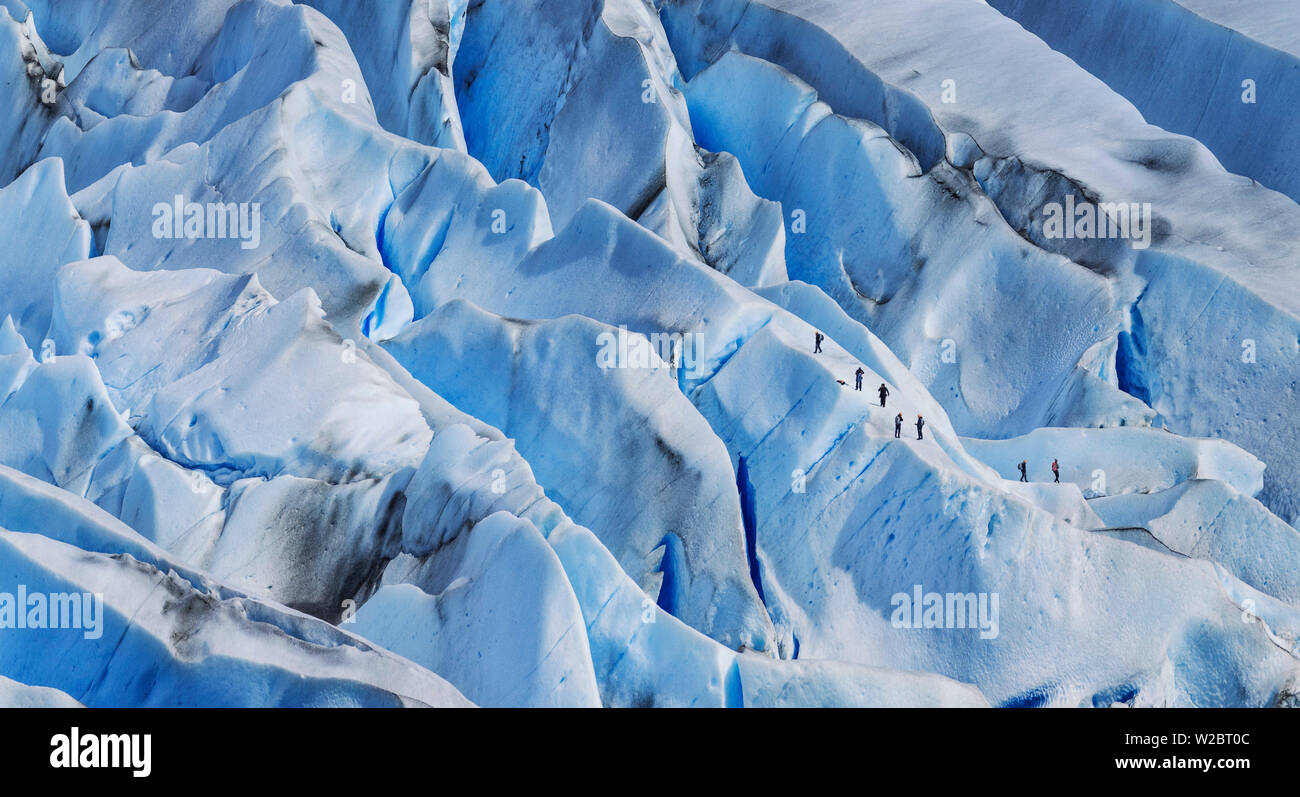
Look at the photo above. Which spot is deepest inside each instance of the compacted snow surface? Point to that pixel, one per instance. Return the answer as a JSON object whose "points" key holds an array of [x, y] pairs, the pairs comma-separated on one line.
{"points": [[507, 352]]}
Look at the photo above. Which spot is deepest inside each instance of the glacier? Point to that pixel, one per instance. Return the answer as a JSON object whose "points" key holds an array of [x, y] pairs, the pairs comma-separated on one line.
{"points": [[530, 353]]}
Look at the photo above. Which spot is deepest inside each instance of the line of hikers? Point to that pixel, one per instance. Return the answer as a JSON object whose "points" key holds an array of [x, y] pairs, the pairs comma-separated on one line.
{"points": [[1024, 471], [882, 390], [818, 337]]}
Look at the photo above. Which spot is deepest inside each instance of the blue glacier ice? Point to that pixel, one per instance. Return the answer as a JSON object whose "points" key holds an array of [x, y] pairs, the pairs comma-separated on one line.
{"points": [[506, 353]]}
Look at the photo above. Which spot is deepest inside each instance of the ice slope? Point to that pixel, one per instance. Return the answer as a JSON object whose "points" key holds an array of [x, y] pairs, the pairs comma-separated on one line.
{"points": [[605, 268], [27, 64], [828, 583], [1117, 461], [60, 426], [1088, 394], [1211, 520], [234, 405], [641, 655], [650, 659], [1267, 21], [267, 518], [449, 214], [16, 695], [1185, 64], [415, 511], [16, 360], [1193, 496], [173, 623], [1206, 289], [45, 226], [179, 372], [406, 53], [919, 521], [125, 165], [192, 359], [621, 449], [533, 652], [583, 100], [78, 30], [241, 75], [923, 258], [156, 621], [318, 224], [828, 684]]}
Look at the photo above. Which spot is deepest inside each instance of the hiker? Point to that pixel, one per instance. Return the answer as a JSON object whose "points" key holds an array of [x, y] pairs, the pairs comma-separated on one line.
{"points": [[817, 342], [1056, 471], [884, 391], [859, 374], [920, 424], [898, 425], [1023, 476]]}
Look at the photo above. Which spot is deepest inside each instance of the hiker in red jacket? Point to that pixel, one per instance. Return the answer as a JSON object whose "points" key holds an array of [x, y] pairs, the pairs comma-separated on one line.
{"points": [[1056, 471]]}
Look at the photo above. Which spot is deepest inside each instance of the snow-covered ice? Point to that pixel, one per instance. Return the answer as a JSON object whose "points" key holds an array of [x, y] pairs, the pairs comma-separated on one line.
{"points": [[530, 353]]}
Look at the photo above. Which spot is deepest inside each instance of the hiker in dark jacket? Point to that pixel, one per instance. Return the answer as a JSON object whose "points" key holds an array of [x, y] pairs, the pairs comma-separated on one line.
{"points": [[1023, 476], [898, 425], [859, 374], [920, 424], [884, 391], [817, 342]]}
